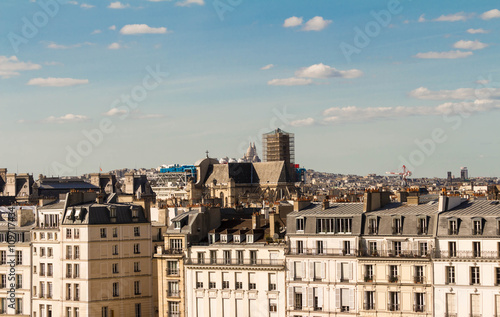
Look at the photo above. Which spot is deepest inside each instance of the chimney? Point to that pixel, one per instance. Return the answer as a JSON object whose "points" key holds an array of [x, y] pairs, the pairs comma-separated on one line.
{"points": [[412, 200], [326, 204], [255, 220], [298, 205], [401, 196], [375, 200], [443, 201], [272, 224]]}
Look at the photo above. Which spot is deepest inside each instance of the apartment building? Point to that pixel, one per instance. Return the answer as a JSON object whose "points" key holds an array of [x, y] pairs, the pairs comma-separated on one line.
{"points": [[321, 258], [15, 259], [394, 260], [466, 260], [91, 258], [239, 272]]}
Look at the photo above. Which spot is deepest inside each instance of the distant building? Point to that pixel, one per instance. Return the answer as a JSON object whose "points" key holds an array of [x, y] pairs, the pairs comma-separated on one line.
{"points": [[251, 155], [16, 185], [464, 173], [279, 145]]}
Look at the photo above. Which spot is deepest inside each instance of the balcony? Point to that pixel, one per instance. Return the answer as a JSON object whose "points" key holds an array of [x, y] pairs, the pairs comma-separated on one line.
{"points": [[466, 254], [393, 278], [419, 279], [392, 307], [173, 294], [246, 262], [450, 314], [369, 278], [322, 251], [419, 308], [174, 314], [172, 272], [394, 253]]}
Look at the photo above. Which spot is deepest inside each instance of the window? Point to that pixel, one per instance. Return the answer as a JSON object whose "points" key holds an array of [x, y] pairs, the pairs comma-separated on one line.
{"points": [[76, 312], [4, 281], [3, 257], [49, 290], [422, 248], [272, 281], [273, 306], [77, 291], [225, 280], [396, 247], [325, 225], [298, 298], [42, 252], [19, 257], [343, 298], [199, 279], [137, 288], [103, 233], [453, 227], [115, 268], [452, 249], [137, 232], [42, 289], [104, 311], [477, 226], [213, 256], [300, 224], [172, 268], [419, 274], [50, 252], [396, 226], [419, 302], [115, 232], [137, 267], [422, 225], [369, 300], [176, 244], [136, 248], [115, 289], [393, 301], [450, 274], [68, 291], [475, 305], [211, 280], [372, 245], [69, 270], [19, 281], [476, 249], [77, 252], [42, 269], [319, 247], [138, 310], [68, 252], [300, 246], [114, 249], [317, 294], [49, 310], [497, 276], [50, 269], [252, 281], [227, 257], [343, 225], [372, 226], [393, 273], [369, 273], [238, 284], [77, 233], [474, 275], [239, 257], [173, 309], [68, 233], [346, 247], [297, 268], [77, 270], [253, 257], [344, 271], [200, 256]]}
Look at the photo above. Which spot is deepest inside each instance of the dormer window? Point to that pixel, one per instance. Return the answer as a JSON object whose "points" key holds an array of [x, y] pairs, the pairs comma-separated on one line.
{"points": [[477, 226], [421, 225], [372, 225], [135, 212], [300, 224], [397, 225], [452, 226], [112, 212], [177, 225], [498, 226], [223, 238]]}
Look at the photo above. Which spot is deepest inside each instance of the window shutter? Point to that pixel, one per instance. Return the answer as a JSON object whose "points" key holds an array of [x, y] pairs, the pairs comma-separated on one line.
{"points": [[350, 271], [290, 296], [323, 270], [337, 298], [291, 271], [320, 296], [311, 270], [310, 298], [304, 268], [304, 296], [351, 300], [341, 247], [339, 271]]}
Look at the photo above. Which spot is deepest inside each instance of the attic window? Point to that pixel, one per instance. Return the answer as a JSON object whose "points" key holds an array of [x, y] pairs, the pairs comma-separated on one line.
{"points": [[177, 225], [397, 225], [453, 226], [498, 226], [372, 225], [112, 212], [477, 226], [300, 224], [135, 212], [421, 225]]}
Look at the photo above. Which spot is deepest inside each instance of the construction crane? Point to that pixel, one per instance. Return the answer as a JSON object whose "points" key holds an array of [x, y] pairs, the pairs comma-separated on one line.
{"points": [[404, 175]]}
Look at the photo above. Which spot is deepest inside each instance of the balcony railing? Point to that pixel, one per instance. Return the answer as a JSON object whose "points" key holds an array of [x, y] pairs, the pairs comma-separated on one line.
{"points": [[172, 272], [394, 253], [466, 254], [173, 294], [262, 262], [321, 251], [450, 314], [172, 251], [393, 278], [369, 278], [419, 279], [392, 307], [419, 308], [174, 314]]}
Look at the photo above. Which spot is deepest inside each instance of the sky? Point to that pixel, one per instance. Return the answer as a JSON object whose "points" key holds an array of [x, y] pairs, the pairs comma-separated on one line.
{"points": [[365, 86]]}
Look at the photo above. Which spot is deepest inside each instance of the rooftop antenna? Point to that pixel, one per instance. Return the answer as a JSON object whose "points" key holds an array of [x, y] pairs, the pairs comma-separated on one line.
{"points": [[207, 153]]}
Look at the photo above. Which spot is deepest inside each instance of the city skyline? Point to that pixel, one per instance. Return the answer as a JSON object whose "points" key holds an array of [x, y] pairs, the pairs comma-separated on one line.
{"points": [[365, 87]]}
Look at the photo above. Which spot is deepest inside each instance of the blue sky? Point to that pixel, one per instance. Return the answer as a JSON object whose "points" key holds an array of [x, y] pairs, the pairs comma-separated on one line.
{"points": [[366, 86]]}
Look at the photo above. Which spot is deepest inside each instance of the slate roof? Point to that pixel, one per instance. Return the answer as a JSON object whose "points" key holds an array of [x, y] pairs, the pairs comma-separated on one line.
{"points": [[92, 214], [335, 209], [247, 173]]}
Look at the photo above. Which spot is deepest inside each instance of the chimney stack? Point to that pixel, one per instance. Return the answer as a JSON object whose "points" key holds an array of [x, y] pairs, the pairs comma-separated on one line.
{"points": [[326, 204], [255, 220], [272, 224]]}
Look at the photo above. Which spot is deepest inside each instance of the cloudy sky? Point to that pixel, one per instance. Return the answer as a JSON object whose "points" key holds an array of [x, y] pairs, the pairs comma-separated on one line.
{"points": [[366, 86]]}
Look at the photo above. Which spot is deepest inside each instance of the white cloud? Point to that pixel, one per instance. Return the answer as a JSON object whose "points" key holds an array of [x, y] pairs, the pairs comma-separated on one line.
{"points": [[118, 5], [477, 31], [460, 16], [149, 116], [68, 118], [87, 6], [356, 114], [316, 24], [53, 64], [96, 32], [458, 94], [56, 46], [444, 55], [290, 82], [470, 45], [56, 82], [11, 66], [112, 28], [324, 71], [73, 2], [142, 29], [482, 81], [187, 3], [115, 112], [269, 66], [114, 46], [492, 14], [421, 18], [292, 22], [302, 122]]}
